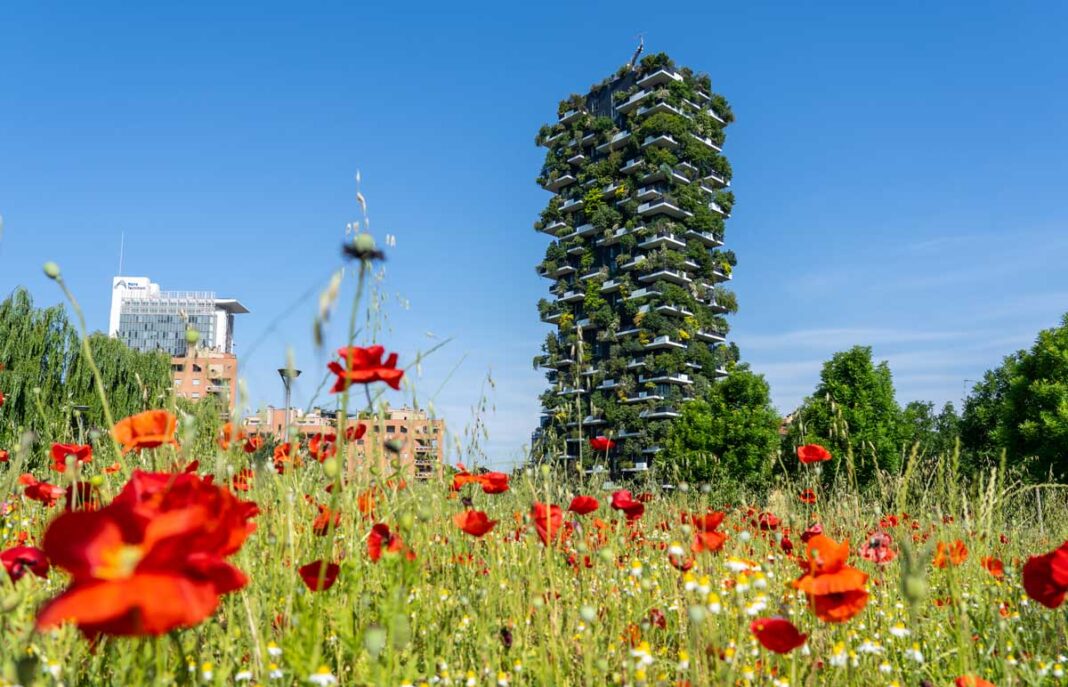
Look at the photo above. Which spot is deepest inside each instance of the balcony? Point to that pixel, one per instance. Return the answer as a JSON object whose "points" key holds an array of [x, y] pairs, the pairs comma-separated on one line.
{"points": [[627, 332], [715, 115], [589, 138], [673, 276], [578, 249], [611, 189], [673, 310], [716, 180], [633, 101], [570, 391], [663, 238], [600, 272], [659, 175], [635, 363], [665, 341], [640, 466], [647, 193], [716, 307], [571, 116], [663, 207], [708, 142], [610, 286], [688, 168], [642, 396], [719, 276], [709, 335], [619, 140], [632, 166], [570, 296], [677, 378], [553, 228], [616, 235], [585, 230], [577, 159], [558, 183], [572, 204], [584, 324], [662, 106], [632, 263], [715, 207], [624, 433], [705, 237], [719, 372], [661, 141], [660, 76], [643, 292], [659, 413], [550, 365], [554, 138], [551, 318], [608, 384]]}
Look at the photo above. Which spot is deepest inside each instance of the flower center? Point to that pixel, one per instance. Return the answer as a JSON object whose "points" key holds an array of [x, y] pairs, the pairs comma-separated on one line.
{"points": [[119, 562]]}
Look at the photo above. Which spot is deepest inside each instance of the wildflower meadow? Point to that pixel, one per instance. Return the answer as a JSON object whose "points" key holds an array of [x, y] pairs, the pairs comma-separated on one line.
{"points": [[139, 556]]}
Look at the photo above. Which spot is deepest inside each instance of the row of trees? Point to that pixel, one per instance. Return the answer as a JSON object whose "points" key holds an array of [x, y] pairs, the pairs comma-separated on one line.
{"points": [[47, 382], [1019, 410]]}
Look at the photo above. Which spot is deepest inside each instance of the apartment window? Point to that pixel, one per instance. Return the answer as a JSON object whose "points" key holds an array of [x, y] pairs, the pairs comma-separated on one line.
{"points": [[195, 394], [404, 429], [178, 382], [196, 382]]}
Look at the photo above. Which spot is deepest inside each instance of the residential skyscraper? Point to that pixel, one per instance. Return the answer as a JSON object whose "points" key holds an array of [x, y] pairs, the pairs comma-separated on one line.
{"points": [[637, 263]]}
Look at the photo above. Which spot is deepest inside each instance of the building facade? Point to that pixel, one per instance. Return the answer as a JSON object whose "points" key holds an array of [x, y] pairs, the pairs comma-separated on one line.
{"points": [[636, 263], [202, 373], [419, 439], [146, 318]]}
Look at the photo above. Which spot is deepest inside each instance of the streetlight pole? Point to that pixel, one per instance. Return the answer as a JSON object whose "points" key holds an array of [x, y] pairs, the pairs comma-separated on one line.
{"points": [[287, 374]]}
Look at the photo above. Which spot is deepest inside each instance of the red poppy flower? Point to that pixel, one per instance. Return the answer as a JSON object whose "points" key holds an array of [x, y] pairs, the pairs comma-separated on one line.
{"points": [[151, 561], [42, 492], [679, 563], [994, 566], [113, 468], [253, 443], [321, 524], [1045, 577], [768, 521], [622, 500], [311, 573], [972, 681], [835, 590], [364, 366], [582, 505], [365, 502], [19, 559], [81, 453], [813, 529], [355, 432], [812, 453], [4, 457], [777, 634], [474, 522], [602, 444], [493, 482], [228, 434], [808, 496], [322, 446], [947, 554], [877, 549], [547, 521], [149, 429], [242, 480], [382, 538]]}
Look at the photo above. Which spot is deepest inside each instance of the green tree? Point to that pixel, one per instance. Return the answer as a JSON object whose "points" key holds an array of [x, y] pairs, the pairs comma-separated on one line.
{"points": [[730, 434], [852, 412], [45, 375], [1022, 408], [932, 433]]}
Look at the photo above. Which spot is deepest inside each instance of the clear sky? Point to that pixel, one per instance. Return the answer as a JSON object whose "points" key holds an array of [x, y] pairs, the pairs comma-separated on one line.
{"points": [[900, 172]]}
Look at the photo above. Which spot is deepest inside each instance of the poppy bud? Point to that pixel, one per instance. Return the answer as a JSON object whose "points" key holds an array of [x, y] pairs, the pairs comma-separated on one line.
{"points": [[468, 503], [96, 480], [330, 467], [374, 640], [915, 588], [394, 445], [407, 521], [365, 243], [51, 270]]}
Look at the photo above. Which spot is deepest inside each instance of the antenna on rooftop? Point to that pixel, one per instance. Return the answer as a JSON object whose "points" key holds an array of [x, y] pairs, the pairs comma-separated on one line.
{"points": [[638, 52], [122, 246]]}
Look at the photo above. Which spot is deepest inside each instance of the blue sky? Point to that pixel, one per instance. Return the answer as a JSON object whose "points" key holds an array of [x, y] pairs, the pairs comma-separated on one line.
{"points": [[899, 172]]}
